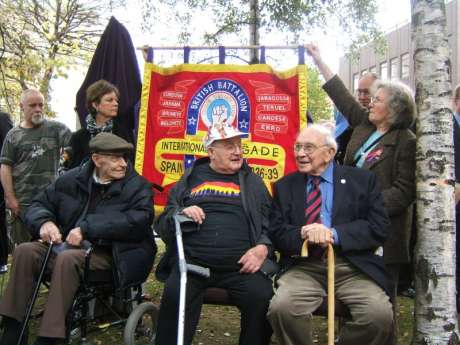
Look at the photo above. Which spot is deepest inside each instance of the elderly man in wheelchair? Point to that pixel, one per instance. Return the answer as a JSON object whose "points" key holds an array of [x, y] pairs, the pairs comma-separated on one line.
{"points": [[105, 202]]}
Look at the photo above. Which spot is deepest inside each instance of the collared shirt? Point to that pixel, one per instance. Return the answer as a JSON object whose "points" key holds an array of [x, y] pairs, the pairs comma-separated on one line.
{"points": [[457, 117], [98, 180], [327, 198]]}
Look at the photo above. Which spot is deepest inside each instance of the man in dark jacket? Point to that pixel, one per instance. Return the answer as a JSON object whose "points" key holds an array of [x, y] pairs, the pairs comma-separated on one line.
{"points": [[104, 202], [229, 205], [324, 203]]}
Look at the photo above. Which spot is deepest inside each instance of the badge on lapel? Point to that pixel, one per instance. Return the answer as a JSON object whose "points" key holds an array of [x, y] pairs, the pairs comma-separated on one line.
{"points": [[374, 155]]}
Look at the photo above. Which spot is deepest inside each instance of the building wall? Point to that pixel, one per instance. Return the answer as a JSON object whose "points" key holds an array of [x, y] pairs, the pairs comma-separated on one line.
{"points": [[400, 48]]}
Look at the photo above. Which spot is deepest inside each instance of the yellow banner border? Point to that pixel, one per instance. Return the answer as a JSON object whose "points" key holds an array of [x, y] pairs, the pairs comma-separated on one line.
{"points": [[142, 126], [303, 92], [256, 68]]}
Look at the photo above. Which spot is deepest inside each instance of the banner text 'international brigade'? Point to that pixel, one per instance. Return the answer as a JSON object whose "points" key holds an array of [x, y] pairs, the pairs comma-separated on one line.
{"points": [[179, 103]]}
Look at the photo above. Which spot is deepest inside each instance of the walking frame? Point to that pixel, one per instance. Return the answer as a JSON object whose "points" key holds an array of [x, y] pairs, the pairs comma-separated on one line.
{"points": [[183, 269], [330, 289]]}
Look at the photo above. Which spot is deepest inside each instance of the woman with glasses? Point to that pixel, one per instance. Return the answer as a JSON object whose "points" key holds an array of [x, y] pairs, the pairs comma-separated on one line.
{"points": [[383, 143], [102, 103]]}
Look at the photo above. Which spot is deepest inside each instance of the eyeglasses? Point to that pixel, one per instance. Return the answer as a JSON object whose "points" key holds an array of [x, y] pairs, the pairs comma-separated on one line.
{"points": [[228, 146], [307, 148], [377, 100]]}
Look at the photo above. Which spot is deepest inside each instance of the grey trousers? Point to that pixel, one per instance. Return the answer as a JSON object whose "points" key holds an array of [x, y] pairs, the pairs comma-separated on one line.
{"points": [[301, 291], [65, 279]]}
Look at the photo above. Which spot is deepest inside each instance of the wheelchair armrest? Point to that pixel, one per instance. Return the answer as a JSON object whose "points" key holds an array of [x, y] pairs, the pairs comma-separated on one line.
{"points": [[89, 250]]}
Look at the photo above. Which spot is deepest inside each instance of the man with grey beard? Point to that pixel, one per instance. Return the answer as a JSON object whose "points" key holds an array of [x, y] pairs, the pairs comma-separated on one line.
{"points": [[29, 159]]}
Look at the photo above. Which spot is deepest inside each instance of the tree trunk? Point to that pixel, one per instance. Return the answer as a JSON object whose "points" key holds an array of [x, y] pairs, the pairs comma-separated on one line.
{"points": [[435, 307], [254, 30]]}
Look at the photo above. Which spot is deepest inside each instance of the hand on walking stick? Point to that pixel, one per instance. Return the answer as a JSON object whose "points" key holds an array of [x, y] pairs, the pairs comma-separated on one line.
{"points": [[315, 233]]}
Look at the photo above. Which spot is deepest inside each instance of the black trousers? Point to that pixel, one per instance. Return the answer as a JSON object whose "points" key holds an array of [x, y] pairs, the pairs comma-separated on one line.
{"points": [[250, 292]]}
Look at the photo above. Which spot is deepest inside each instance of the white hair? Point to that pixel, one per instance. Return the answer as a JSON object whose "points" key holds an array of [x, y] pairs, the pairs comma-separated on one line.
{"points": [[25, 93], [327, 132]]}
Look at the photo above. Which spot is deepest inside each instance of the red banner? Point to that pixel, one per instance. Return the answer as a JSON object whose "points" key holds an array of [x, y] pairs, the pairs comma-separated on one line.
{"points": [[180, 103]]}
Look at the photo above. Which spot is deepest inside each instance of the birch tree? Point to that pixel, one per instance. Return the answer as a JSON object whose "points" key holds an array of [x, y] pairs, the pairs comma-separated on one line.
{"points": [[435, 307]]}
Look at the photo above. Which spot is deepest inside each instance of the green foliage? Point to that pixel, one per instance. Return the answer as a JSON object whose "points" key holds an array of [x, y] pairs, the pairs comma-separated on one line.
{"points": [[355, 18], [41, 40], [319, 104]]}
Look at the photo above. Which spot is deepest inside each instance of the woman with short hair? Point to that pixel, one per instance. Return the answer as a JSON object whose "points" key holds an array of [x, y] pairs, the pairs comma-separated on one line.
{"points": [[102, 104]]}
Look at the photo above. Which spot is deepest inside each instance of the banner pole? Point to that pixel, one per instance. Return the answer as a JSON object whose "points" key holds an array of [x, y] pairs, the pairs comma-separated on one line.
{"points": [[278, 47]]}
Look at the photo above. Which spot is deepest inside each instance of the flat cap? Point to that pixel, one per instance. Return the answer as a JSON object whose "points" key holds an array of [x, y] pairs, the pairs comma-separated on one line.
{"points": [[108, 142]]}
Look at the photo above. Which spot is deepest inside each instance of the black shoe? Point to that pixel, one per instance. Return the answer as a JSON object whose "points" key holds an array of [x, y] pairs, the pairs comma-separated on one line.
{"points": [[12, 331], [45, 341]]}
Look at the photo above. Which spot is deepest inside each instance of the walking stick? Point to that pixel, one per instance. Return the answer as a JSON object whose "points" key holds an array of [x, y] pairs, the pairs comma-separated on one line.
{"points": [[34, 296], [330, 289]]}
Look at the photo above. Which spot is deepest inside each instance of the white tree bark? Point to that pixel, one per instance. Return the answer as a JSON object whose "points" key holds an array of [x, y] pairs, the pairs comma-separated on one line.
{"points": [[435, 308], [254, 29]]}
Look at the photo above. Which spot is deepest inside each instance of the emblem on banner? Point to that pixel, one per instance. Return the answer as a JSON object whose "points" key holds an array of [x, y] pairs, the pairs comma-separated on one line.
{"points": [[215, 101], [218, 100]]}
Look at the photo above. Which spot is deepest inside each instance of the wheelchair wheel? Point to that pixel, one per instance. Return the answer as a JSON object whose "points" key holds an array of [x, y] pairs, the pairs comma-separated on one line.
{"points": [[141, 325]]}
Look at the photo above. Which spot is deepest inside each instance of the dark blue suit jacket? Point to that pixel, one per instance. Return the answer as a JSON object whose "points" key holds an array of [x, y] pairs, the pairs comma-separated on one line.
{"points": [[457, 150], [358, 215]]}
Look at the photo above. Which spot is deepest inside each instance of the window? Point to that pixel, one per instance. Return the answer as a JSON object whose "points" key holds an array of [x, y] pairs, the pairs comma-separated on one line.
{"points": [[405, 66], [373, 69], [355, 81], [384, 70], [394, 68]]}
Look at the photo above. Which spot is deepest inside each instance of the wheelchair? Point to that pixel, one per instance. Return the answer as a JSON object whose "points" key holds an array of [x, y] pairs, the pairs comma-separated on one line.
{"points": [[99, 304]]}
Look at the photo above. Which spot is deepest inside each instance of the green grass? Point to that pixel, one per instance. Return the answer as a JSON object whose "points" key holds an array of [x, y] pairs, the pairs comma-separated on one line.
{"points": [[220, 325]]}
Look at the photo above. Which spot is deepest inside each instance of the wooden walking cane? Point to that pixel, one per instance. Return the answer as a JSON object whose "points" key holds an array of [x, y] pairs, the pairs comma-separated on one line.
{"points": [[330, 289]]}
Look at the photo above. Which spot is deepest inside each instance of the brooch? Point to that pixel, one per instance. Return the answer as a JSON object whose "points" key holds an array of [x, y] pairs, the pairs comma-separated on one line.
{"points": [[374, 155]]}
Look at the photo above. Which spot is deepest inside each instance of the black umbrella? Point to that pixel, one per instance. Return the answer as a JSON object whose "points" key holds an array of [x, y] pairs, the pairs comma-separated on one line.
{"points": [[115, 61]]}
